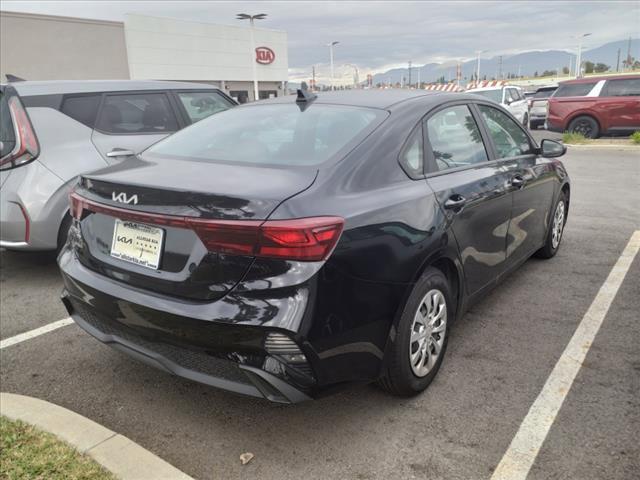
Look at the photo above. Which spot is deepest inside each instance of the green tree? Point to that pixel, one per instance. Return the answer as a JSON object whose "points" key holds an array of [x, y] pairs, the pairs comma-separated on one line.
{"points": [[548, 73], [588, 67], [565, 70], [600, 67]]}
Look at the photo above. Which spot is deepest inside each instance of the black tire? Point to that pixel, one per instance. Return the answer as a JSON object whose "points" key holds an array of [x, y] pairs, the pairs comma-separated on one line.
{"points": [[549, 250], [585, 125], [63, 232], [398, 377]]}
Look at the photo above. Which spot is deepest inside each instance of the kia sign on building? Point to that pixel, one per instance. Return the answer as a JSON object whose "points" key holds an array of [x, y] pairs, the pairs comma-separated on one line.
{"points": [[264, 55], [221, 55]]}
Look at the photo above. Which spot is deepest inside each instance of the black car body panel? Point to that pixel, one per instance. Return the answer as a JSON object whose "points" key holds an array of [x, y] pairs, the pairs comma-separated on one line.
{"points": [[341, 311]]}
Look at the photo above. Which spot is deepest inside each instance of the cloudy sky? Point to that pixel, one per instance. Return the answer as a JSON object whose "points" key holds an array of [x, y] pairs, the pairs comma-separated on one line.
{"points": [[380, 35]]}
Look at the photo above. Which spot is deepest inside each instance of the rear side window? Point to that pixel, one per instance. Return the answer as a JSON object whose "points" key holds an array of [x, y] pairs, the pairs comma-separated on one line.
{"points": [[508, 137], [515, 94], [7, 133], [412, 156], [200, 105], [136, 113], [455, 139], [629, 87], [278, 134], [574, 90], [82, 108]]}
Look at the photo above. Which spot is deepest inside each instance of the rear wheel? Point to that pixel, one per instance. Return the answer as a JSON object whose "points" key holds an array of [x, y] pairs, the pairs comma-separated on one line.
{"points": [[417, 352], [556, 229], [586, 126]]}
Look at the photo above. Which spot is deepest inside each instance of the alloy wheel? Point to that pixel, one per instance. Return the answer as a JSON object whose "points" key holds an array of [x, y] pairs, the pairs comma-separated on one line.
{"points": [[428, 332], [584, 127], [558, 225]]}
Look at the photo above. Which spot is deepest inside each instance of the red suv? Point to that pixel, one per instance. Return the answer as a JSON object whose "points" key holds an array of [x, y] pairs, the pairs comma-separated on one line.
{"points": [[596, 105]]}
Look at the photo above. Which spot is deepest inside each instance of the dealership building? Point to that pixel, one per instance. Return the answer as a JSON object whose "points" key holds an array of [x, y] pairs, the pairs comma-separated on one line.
{"points": [[44, 47]]}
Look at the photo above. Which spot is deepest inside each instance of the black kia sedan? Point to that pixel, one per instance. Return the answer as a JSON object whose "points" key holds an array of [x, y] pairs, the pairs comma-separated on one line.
{"points": [[286, 248]]}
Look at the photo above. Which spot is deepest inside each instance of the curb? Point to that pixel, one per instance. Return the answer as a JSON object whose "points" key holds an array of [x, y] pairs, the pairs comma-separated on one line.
{"points": [[122, 457], [620, 147]]}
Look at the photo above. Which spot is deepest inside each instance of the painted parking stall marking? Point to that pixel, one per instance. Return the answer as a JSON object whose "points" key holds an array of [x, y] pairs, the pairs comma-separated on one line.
{"points": [[36, 332], [525, 446]]}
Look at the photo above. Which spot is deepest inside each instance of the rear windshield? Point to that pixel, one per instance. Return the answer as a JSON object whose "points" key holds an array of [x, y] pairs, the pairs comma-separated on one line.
{"points": [[495, 95], [278, 134], [574, 90], [544, 93]]}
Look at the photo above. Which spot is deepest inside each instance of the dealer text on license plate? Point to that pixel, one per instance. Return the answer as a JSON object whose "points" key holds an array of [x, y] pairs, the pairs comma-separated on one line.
{"points": [[137, 243]]}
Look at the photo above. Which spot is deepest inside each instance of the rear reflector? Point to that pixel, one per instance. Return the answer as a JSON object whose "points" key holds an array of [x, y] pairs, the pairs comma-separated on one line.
{"points": [[306, 239]]}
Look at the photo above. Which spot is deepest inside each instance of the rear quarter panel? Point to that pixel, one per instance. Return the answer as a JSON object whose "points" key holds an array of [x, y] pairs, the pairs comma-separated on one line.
{"points": [[65, 144], [563, 110]]}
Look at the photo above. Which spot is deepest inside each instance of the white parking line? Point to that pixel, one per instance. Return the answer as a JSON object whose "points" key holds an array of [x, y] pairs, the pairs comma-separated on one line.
{"points": [[50, 327], [524, 448]]}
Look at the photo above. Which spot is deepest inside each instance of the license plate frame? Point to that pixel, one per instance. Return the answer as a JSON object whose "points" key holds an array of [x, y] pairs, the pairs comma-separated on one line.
{"points": [[137, 243]]}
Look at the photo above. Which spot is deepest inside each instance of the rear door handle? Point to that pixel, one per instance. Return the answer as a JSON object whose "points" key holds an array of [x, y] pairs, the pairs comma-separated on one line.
{"points": [[455, 201], [518, 181], [120, 152]]}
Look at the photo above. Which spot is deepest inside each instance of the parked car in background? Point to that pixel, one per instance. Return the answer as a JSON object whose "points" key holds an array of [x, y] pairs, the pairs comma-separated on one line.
{"points": [[288, 248], [594, 106], [538, 106], [53, 131], [509, 96]]}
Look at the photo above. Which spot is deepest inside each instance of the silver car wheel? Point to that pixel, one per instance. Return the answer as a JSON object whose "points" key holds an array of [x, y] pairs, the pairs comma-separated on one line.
{"points": [[428, 332], [558, 225]]}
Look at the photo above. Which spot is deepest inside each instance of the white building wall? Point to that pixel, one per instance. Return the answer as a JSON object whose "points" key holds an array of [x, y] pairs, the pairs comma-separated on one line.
{"points": [[170, 49]]}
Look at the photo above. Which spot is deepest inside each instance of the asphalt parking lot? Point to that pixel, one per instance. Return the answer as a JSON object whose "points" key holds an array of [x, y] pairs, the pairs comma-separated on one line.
{"points": [[500, 355]]}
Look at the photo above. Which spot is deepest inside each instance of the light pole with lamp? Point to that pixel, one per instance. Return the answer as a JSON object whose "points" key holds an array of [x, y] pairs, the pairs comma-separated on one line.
{"points": [[579, 56], [478, 52], [331, 45], [251, 18]]}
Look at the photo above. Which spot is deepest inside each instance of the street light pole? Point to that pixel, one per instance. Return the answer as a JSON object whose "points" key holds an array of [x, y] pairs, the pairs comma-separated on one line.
{"points": [[251, 18], [331, 45], [478, 52], [579, 56]]}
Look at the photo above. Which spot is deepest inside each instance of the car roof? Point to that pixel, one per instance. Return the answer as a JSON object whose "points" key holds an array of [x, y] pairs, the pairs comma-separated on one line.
{"points": [[372, 98], [598, 78], [53, 87]]}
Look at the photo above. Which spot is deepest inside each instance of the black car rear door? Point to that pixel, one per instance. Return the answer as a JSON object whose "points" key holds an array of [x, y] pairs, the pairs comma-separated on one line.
{"points": [[530, 179], [473, 191]]}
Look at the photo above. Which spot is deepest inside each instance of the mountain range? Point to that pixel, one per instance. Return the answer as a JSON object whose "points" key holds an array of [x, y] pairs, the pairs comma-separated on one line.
{"points": [[524, 64]]}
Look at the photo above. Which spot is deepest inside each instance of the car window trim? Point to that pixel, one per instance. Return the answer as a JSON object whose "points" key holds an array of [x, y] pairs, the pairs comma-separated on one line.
{"points": [[165, 92]]}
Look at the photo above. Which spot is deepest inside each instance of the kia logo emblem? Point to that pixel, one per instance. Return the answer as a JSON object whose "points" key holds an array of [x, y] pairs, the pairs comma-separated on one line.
{"points": [[264, 55], [122, 198]]}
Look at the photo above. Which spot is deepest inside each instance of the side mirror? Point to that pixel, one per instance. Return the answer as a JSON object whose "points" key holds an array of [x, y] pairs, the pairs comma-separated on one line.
{"points": [[509, 101], [551, 148]]}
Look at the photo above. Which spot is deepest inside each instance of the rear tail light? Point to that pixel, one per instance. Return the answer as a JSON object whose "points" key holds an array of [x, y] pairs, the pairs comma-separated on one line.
{"points": [[305, 239], [27, 147]]}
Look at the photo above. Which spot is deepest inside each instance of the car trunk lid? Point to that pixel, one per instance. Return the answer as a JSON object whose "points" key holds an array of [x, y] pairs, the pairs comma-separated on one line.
{"points": [[165, 213]]}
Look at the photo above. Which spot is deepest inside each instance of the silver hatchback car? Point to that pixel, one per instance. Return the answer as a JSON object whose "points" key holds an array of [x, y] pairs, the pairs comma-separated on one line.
{"points": [[53, 131]]}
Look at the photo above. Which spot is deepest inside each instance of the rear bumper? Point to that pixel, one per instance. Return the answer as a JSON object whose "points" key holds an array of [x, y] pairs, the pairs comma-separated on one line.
{"points": [[224, 355], [193, 365]]}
